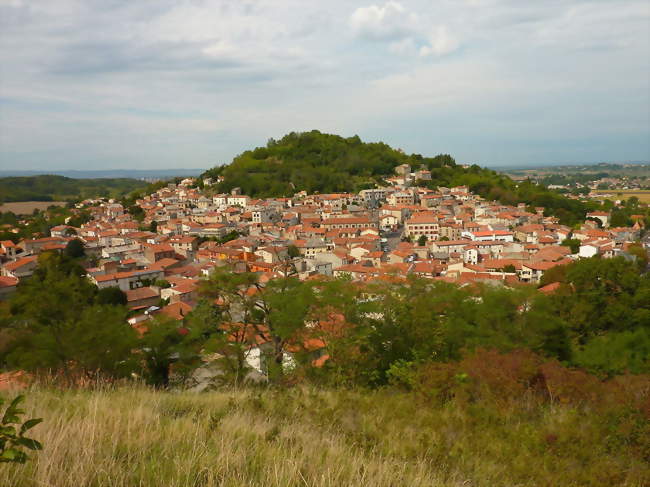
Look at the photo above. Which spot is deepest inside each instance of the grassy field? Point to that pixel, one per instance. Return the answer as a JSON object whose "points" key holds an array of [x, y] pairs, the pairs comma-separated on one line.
{"points": [[617, 194], [28, 207], [134, 436]]}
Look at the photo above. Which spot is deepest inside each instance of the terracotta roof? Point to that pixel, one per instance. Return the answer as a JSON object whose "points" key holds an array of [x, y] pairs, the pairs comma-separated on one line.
{"points": [[12, 266], [8, 281], [140, 293]]}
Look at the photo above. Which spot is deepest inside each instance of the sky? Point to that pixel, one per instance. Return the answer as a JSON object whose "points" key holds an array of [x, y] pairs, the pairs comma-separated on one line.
{"points": [[144, 84]]}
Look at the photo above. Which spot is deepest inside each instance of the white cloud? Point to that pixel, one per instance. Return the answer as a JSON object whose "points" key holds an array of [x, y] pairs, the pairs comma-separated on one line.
{"points": [[390, 21], [194, 81], [441, 42]]}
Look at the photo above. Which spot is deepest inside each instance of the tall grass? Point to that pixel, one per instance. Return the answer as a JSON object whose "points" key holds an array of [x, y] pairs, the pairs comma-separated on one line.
{"points": [[135, 436]]}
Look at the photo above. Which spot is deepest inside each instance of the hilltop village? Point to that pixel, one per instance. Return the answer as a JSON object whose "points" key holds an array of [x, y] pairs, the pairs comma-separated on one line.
{"points": [[447, 234]]}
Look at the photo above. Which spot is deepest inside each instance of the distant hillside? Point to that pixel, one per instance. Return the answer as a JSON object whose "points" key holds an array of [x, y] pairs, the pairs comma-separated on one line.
{"points": [[60, 188], [324, 163], [111, 173]]}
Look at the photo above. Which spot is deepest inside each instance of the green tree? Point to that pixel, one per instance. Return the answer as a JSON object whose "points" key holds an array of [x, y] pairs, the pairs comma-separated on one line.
{"points": [[111, 296], [170, 343], [293, 252], [75, 249], [275, 311], [572, 243], [56, 325], [422, 241]]}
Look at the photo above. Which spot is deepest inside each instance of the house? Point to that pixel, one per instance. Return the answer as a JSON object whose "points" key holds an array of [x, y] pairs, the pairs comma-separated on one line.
{"points": [[501, 235], [186, 291], [126, 280], [21, 268], [8, 249], [422, 224], [602, 216], [349, 222], [156, 252], [533, 271], [7, 286], [143, 297]]}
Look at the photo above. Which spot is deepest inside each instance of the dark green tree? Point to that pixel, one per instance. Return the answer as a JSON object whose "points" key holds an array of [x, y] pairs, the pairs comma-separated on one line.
{"points": [[75, 249], [111, 296]]}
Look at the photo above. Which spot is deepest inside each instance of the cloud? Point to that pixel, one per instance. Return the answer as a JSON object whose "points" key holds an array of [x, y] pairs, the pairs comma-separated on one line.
{"points": [[441, 42], [388, 22], [409, 33], [175, 82]]}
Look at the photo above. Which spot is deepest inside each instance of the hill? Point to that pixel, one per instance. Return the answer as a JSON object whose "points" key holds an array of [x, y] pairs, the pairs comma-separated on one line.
{"points": [[316, 162], [60, 188], [324, 163], [132, 435]]}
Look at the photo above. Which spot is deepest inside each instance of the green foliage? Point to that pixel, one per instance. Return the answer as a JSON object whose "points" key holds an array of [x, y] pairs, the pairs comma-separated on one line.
{"points": [[573, 244], [168, 343], [314, 162], [422, 241], [59, 188], [75, 249], [293, 252], [12, 438], [111, 296], [57, 324]]}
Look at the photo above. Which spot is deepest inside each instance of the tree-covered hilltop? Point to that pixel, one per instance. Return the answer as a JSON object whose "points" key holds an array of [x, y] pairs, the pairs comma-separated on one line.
{"points": [[315, 162], [61, 188], [326, 163]]}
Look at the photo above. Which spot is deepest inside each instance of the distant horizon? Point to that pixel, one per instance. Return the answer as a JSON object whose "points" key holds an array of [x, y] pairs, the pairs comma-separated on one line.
{"points": [[196, 171]]}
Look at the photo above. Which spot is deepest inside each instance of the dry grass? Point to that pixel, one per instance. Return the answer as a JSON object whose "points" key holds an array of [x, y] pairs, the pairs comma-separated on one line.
{"points": [[28, 207], [134, 436]]}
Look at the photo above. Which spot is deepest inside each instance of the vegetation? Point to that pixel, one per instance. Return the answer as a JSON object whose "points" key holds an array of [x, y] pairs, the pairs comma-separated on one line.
{"points": [[325, 163], [132, 435], [597, 319], [75, 249], [421, 382], [60, 188], [39, 223], [13, 441]]}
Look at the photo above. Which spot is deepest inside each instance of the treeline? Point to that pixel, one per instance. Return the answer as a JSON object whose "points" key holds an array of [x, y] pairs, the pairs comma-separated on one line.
{"points": [[325, 163], [60, 188], [366, 335]]}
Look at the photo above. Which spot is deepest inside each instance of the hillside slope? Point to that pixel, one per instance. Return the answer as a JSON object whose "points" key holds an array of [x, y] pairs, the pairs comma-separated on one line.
{"points": [[58, 188], [315, 162]]}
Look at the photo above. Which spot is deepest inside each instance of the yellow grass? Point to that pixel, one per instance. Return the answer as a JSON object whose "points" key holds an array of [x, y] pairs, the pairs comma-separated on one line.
{"points": [[134, 436]]}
